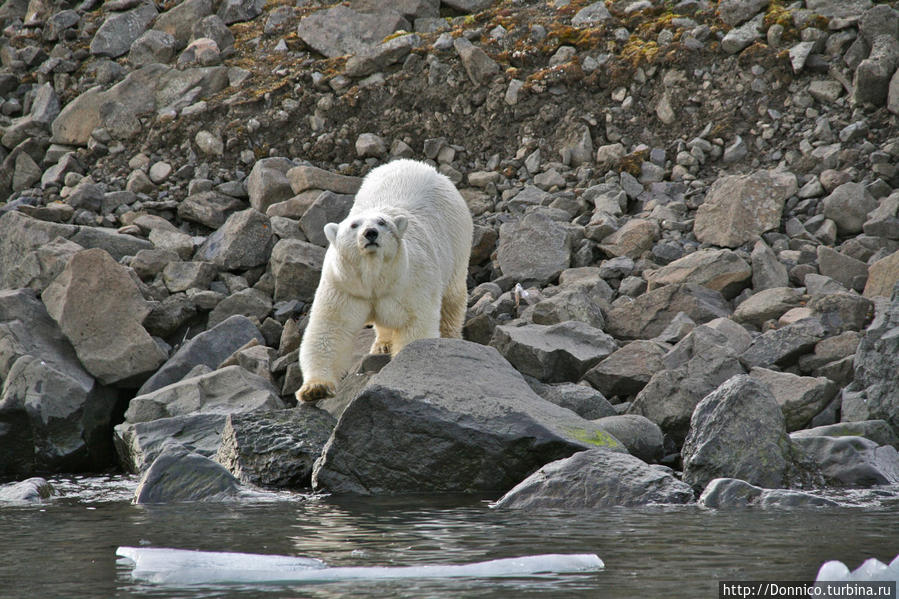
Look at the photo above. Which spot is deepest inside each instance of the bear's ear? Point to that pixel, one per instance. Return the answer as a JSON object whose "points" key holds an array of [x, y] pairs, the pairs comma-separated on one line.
{"points": [[400, 222], [331, 232]]}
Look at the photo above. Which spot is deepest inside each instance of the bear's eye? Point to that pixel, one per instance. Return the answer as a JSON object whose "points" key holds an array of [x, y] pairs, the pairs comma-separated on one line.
{"points": [[382, 222], [354, 226]]}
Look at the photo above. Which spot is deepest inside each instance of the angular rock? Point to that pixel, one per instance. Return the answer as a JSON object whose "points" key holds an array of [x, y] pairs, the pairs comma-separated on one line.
{"points": [[181, 276], [208, 208], [251, 303], [735, 12], [737, 431], [100, 309], [649, 314], [739, 208], [267, 183], [179, 20], [641, 436], [244, 241], [730, 493], [882, 276], [179, 474], [327, 208], [581, 304], [846, 270], [872, 77], [341, 30], [768, 304], [783, 346], [229, 390], [584, 401], [767, 270], [209, 348], [237, 11], [297, 268], [305, 177], [381, 56], [119, 30], [840, 312], [275, 449], [480, 67], [21, 236], [596, 479], [721, 270], [556, 353], [800, 398], [848, 206], [671, 396], [634, 238], [627, 370], [851, 461], [590, 14], [874, 392], [878, 431], [740, 37], [432, 432], [883, 221], [534, 248], [139, 444], [153, 46]]}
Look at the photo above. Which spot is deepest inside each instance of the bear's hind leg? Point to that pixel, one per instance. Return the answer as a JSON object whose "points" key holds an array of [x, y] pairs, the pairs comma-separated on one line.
{"points": [[452, 309], [383, 341]]}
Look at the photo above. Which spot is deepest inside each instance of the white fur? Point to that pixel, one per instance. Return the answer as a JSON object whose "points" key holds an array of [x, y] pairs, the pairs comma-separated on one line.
{"points": [[411, 286]]}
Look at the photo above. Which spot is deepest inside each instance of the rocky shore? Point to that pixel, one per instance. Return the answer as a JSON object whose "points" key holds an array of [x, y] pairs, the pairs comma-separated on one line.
{"points": [[683, 281]]}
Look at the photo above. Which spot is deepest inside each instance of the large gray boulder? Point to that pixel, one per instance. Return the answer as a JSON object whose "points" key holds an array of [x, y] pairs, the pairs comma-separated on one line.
{"points": [[179, 474], [730, 493], [800, 398], [739, 208], [878, 431], [244, 241], [874, 392], [556, 353], [737, 431], [583, 400], [297, 268], [596, 479], [138, 444], [119, 30], [418, 427], [226, 391], [51, 421], [851, 461], [209, 348], [783, 346], [340, 30], [627, 370], [99, 309], [848, 206], [721, 270], [275, 449], [534, 248], [648, 315], [327, 208]]}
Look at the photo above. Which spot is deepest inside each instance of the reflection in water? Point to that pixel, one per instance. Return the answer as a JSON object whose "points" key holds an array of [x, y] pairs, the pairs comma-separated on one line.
{"points": [[67, 548]]}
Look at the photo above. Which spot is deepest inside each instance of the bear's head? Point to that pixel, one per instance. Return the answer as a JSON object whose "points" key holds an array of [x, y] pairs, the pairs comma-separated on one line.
{"points": [[371, 233]]}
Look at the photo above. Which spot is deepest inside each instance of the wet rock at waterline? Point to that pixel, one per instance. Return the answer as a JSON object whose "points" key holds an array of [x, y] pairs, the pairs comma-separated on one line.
{"points": [[179, 474], [595, 479]]}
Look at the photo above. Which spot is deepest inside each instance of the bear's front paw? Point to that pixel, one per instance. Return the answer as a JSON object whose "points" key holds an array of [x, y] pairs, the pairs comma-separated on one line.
{"points": [[380, 348], [315, 390]]}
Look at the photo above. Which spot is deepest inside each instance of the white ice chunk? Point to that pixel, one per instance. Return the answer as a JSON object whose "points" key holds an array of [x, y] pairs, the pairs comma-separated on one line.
{"points": [[871, 570], [182, 567]]}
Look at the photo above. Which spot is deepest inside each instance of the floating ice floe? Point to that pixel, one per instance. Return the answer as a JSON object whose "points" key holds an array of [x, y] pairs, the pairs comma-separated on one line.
{"points": [[870, 570], [183, 567]]}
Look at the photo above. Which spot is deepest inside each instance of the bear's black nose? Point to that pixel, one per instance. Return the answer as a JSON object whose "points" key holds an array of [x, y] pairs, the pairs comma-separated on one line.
{"points": [[371, 234]]}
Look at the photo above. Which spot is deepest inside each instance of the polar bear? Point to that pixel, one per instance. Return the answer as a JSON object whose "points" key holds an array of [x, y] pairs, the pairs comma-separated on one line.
{"points": [[399, 260]]}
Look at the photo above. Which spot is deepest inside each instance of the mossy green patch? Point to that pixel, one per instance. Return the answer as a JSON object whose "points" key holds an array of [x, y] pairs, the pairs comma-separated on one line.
{"points": [[597, 438]]}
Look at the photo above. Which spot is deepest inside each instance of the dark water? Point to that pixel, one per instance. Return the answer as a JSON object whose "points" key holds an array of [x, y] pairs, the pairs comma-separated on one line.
{"points": [[66, 548]]}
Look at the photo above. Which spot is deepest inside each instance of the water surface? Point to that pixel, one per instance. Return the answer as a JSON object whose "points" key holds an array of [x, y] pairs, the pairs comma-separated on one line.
{"points": [[66, 548]]}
